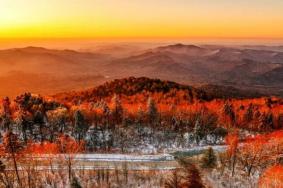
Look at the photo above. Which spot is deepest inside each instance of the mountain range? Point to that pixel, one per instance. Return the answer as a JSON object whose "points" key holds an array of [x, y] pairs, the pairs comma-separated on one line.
{"points": [[47, 71]]}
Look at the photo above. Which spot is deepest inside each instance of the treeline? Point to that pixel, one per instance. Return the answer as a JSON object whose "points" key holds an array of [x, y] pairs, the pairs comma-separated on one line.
{"points": [[143, 119], [105, 126]]}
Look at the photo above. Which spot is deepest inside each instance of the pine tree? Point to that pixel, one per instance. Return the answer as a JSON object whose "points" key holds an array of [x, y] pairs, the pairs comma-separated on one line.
{"points": [[198, 132], [140, 115], [75, 183], [106, 113], [80, 125], [6, 114], [248, 116], [266, 121], [152, 111], [192, 176], [140, 118], [209, 159], [228, 111], [117, 109]]}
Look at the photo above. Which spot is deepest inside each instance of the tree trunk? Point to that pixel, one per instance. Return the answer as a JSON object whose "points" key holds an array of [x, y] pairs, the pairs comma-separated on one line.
{"points": [[16, 169]]}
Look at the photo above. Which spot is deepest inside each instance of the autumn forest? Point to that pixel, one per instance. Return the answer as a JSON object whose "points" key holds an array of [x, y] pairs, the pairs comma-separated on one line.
{"points": [[146, 116]]}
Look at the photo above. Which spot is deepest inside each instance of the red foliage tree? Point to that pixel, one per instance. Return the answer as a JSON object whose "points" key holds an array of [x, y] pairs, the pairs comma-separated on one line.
{"points": [[232, 141], [69, 148], [272, 177]]}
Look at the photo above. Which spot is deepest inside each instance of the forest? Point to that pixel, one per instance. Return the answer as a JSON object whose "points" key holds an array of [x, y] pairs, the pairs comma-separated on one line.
{"points": [[41, 136]]}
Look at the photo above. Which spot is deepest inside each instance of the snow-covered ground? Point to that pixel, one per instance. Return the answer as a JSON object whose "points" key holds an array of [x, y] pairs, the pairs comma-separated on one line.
{"points": [[164, 161], [216, 148], [134, 157], [123, 157], [109, 167], [97, 157]]}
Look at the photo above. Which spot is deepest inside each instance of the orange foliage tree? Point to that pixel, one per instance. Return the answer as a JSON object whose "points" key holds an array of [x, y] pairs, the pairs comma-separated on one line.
{"points": [[253, 153], [272, 177], [69, 148], [232, 141], [36, 156]]}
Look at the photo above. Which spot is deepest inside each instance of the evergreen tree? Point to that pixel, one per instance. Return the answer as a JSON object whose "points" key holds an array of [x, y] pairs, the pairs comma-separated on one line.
{"points": [[140, 115], [266, 121], [248, 116], [117, 109], [268, 102], [192, 175], [228, 111], [193, 178], [6, 114], [198, 131], [152, 111], [39, 121], [140, 118], [105, 113], [80, 125], [209, 159], [75, 183]]}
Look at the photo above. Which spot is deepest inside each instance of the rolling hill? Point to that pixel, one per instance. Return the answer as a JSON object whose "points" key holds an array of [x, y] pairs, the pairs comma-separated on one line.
{"points": [[48, 71], [190, 64], [133, 86]]}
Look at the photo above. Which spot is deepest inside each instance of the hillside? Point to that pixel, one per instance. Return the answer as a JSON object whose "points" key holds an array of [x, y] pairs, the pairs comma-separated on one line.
{"points": [[145, 86]]}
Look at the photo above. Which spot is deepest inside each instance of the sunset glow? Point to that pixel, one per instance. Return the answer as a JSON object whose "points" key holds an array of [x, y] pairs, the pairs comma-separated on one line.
{"points": [[141, 19], [141, 93]]}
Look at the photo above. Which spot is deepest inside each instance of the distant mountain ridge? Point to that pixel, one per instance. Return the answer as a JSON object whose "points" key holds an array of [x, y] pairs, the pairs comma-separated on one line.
{"points": [[203, 65], [248, 68]]}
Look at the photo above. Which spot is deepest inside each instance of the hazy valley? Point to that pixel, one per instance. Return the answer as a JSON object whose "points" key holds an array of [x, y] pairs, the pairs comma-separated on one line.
{"points": [[244, 67]]}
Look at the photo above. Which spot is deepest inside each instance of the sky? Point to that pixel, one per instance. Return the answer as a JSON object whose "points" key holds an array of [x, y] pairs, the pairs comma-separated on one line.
{"points": [[109, 19]]}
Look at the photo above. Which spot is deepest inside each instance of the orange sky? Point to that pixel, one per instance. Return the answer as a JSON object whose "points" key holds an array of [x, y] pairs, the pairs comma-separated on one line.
{"points": [[258, 19]]}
